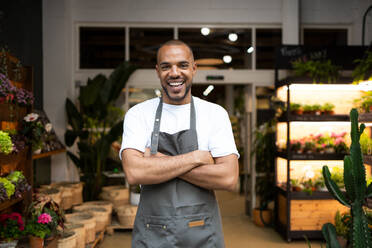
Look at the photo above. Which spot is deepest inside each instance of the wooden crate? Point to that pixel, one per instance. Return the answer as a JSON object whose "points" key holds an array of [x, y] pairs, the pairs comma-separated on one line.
{"points": [[309, 215]]}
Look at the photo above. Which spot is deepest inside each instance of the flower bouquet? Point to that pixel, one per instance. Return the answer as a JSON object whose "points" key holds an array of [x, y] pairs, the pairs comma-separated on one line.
{"points": [[11, 229]]}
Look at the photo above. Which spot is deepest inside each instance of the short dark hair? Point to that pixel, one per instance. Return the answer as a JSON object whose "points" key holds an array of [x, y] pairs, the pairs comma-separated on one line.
{"points": [[174, 43]]}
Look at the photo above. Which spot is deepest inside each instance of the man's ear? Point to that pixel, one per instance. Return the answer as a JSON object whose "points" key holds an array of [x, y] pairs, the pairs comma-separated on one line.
{"points": [[194, 67], [157, 70]]}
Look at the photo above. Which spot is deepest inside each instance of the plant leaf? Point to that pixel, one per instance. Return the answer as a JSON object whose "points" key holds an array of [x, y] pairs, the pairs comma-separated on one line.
{"points": [[329, 234], [333, 188]]}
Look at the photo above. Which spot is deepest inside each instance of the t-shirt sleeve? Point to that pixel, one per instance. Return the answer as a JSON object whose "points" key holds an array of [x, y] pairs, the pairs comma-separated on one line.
{"points": [[221, 141], [134, 132]]}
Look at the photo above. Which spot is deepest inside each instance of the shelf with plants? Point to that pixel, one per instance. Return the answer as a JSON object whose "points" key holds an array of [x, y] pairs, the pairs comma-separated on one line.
{"points": [[16, 100], [313, 131]]}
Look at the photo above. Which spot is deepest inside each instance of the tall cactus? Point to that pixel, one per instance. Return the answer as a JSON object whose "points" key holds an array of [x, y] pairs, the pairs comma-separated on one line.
{"points": [[356, 189]]}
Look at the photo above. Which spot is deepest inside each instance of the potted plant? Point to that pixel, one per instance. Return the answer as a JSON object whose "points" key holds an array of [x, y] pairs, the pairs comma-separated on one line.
{"points": [[95, 123], [11, 229], [327, 108], [33, 130], [296, 109], [6, 145], [296, 146], [317, 109], [44, 220], [296, 185], [318, 71], [308, 109], [264, 145], [363, 71], [342, 225], [364, 104]]}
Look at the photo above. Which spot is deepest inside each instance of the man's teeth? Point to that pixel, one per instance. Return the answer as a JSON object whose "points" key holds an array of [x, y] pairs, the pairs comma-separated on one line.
{"points": [[175, 84]]}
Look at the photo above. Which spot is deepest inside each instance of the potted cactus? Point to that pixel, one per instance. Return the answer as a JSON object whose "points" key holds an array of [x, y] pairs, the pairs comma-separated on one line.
{"points": [[356, 191]]}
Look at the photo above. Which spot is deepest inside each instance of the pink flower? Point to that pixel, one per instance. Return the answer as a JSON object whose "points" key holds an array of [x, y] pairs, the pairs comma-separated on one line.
{"points": [[324, 145], [44, 218], [339, 140], [319, 136]]}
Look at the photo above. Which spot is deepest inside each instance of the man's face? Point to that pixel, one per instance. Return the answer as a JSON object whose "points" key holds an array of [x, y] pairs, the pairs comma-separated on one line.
{"points": [[176, 69]]}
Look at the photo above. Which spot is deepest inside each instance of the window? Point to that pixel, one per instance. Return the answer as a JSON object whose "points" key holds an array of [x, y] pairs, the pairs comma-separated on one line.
{"points": [[101, 48], [325, 37], [219, 48], [266, 42], [144, 43]]}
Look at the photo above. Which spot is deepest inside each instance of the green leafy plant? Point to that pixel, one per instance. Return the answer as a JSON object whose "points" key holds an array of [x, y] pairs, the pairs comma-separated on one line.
{"points": [[363, 71], [11, 226], [295, 107], [318, 71], [6, 145], [364, 104], [327, 107], [44, 216], [91, 123], [366, 144], [342, 224], [9, 187], [356, 190], [264, 145]]}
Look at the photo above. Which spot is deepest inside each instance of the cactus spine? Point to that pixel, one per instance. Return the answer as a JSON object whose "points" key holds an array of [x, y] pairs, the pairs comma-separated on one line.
{"points": [[356, 189]]}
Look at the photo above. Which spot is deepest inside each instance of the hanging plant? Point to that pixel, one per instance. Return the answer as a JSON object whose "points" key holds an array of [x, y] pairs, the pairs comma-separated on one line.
{"points": [[363, 71], [318, 71]]}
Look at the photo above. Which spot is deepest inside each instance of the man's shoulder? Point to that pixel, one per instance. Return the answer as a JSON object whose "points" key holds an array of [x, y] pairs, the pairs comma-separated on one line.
{"points": [[209, 106], [145, 107]]}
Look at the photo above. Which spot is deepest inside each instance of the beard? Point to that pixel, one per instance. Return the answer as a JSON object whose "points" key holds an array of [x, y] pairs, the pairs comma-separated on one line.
{"points": [[177, 99]]}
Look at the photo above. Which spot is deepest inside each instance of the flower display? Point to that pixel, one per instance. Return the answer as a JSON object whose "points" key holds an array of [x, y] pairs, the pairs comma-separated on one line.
{"points": [[321, 143], [11, 226], [11, 94]]}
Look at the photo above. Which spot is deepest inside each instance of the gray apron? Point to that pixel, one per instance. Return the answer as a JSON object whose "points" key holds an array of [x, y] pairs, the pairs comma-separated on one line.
{"points": [[176, 213]]}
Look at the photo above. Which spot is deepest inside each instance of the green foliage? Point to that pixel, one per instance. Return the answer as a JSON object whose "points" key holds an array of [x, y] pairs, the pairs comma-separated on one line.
{"points": [[295, 106], [6, 145], [327, 106], [364, 104], [366, 144], [319, 71], [363, 70], [15, 176], [343, 224], [264, 147], [37, 229], [356, 190], [94, 123], [8, 185], [329, 234]]}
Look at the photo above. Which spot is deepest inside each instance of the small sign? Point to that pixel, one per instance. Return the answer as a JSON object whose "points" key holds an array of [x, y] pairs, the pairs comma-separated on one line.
{"points": [[215, 77]]}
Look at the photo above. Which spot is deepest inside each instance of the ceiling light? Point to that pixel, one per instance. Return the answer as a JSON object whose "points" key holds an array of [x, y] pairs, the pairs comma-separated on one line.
{"points": [[250, 50], [208, 90], [233, 37], [205, 31], [227, 59]]}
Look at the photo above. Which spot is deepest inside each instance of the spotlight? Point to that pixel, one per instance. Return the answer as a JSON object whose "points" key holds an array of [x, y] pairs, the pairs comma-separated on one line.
{"points": [[233, 37], [227, 59], [205, 31], [208, 90], [250, 50]]}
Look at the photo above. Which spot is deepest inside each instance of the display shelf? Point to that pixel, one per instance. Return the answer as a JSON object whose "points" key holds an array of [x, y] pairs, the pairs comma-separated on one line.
{"points": [[11, 202], [301, 195], [47, 154], [365, 117], [310, 156], [367, 159], [308, 80], [309, 117]]}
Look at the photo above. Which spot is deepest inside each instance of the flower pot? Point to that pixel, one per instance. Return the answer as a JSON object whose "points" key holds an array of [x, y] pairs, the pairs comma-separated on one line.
{"points": [[36, 242], [9, 244], [262, 217], [342, 241]]}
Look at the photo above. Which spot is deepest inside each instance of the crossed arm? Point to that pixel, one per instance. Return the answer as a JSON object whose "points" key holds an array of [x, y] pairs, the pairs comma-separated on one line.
{"points": [[197, 167]]}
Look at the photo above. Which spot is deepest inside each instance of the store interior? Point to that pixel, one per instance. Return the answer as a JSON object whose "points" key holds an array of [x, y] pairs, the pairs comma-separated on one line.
{"points": [[295, 80]]}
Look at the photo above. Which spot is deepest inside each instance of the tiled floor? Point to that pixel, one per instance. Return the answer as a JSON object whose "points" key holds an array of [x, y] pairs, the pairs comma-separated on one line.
{"points": [[239, 230]]}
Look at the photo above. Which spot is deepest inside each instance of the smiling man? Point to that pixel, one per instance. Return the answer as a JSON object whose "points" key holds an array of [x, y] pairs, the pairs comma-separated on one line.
{"points": [[180, 149]]}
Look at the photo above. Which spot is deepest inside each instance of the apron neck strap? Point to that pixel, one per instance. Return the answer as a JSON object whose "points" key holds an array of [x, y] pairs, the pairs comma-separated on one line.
{"points": [[156, 130]]}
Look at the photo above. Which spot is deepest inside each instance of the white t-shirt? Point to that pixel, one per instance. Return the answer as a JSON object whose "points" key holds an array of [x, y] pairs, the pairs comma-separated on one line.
{"points": [[213, 125]]}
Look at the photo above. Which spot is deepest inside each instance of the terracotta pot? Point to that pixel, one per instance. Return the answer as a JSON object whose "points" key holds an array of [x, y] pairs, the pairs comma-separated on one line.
{"points": [[266, 217], [36, 242]]}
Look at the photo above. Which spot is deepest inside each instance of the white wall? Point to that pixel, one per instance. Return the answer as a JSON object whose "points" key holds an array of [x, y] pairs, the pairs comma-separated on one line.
{"points": [[60, 18]]}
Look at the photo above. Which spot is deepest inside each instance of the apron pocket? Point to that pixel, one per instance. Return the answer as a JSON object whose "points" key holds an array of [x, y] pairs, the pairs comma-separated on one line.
{"points": [[195, 231], [158, 231]]}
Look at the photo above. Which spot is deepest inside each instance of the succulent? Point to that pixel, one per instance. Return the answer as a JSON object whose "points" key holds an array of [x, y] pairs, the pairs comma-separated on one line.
{"points": [[356, 191]]}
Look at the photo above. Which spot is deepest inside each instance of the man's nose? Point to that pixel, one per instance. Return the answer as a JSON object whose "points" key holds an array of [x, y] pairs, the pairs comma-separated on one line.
{"points": [[174, 72]]}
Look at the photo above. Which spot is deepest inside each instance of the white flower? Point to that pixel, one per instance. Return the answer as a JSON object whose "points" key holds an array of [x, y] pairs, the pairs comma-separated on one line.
{"points": [[31, 117], [48, 127]]}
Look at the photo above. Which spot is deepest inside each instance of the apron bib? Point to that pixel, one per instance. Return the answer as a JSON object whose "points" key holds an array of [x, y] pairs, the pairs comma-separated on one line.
{"points": [[176, 213]]}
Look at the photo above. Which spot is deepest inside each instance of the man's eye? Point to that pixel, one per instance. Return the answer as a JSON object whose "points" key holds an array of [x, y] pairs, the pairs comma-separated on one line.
{"points": [[165, 67], [184, 66]]}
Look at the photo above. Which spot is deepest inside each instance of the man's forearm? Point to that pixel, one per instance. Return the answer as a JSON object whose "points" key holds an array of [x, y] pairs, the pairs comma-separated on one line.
{"points": [[142, 169], [222, 175]]}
